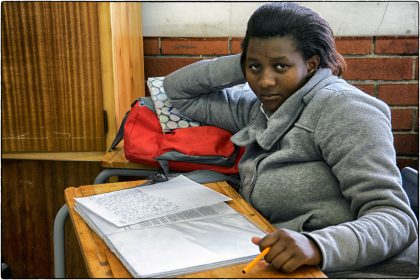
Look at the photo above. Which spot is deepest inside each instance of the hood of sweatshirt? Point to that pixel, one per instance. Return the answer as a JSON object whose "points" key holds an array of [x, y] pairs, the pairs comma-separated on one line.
{"points": [[268, 131]]}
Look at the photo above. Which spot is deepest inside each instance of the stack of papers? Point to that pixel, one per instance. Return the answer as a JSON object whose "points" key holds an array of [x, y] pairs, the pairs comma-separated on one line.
{"points": [[169, 229]]}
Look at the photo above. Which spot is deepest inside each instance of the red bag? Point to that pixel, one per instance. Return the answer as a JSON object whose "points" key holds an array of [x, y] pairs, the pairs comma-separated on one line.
{"points": [[185, 149]]}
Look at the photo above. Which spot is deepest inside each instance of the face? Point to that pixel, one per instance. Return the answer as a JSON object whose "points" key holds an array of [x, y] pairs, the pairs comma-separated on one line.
{"points": [[275, 70]]}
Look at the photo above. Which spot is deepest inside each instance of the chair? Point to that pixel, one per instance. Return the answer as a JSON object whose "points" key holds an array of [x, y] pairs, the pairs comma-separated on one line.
{"points": [[410, 183]]}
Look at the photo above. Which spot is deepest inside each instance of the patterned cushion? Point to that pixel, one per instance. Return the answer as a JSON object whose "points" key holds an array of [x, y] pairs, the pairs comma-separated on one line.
{"points": [[169, 117]]}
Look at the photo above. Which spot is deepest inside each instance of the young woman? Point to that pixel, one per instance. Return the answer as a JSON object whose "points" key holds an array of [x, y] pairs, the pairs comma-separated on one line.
{"points": [[319, 162]]}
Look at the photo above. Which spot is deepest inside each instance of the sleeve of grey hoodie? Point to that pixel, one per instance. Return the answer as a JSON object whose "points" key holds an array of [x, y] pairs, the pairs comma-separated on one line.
{"points": [[204, 91], [355, 137]]}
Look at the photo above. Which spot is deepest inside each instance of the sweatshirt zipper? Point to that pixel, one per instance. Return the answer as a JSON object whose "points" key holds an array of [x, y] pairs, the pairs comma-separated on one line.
{"points": [[252, 181]]}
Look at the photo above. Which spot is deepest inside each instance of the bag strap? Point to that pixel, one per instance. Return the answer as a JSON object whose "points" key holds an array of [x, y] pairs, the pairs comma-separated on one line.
{"points": [[210, 176], [120, 133], [164, 165], [198, 176]]}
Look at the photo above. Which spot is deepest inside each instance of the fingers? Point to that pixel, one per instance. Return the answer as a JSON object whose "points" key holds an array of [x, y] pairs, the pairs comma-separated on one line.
{"points": [[279, 260], [277, 244], [290, 265], [289, 250], [269, 240], [256, 240]]}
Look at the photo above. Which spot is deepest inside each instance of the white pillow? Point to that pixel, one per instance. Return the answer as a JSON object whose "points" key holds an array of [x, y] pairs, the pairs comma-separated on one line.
{"points": [[169, 117]]}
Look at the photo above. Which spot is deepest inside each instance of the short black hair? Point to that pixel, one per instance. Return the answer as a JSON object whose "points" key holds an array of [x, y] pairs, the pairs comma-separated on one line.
{"points": [[311, 32]]}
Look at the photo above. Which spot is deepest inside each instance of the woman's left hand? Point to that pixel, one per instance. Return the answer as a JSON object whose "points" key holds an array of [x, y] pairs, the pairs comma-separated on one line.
{"points": [[289, 250]]}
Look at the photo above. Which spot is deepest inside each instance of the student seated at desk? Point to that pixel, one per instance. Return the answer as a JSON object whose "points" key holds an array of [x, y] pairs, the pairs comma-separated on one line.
{"points": [[319, 162]]}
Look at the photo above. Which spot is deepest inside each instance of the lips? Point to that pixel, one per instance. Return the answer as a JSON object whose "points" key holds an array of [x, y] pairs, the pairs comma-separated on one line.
{"points": [[270, 96]]}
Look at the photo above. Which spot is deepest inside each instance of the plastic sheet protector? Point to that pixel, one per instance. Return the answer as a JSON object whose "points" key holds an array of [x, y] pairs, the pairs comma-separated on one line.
{"points": [[181, 248]]}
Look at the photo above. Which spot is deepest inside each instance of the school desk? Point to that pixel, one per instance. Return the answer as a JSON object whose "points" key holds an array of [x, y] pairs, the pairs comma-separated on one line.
{"points": [[102, 263]]}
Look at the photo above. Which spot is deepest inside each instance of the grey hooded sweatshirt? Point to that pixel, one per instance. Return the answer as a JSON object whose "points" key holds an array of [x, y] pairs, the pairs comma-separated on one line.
{"points": [[322, 164]]}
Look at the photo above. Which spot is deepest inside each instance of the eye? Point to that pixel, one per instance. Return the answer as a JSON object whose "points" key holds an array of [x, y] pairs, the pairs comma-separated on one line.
{"points": [[254, 67], [280, 66]]}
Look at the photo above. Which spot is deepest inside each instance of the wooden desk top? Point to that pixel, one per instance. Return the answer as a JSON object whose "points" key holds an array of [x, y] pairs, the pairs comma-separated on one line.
{"points": [[102, 263]]}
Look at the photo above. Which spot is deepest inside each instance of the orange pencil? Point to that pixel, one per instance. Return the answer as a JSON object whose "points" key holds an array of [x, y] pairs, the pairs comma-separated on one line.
{"points": [[256, 260]]}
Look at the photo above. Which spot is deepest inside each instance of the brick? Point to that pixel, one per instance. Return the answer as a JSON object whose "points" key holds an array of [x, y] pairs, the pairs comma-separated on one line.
{"points": [[162, 66], [151, 46], [407, 162], [366, 88], [399, 94], [195, 46], [416, 120], [345, 45], [379, 68], [416, 69], [354, 45], [402, 119], [397, 45], [406, 144], [235, 45]]}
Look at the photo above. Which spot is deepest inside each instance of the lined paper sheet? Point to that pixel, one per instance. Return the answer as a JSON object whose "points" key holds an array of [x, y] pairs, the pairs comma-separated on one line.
{"points": [[103, 227], [131, 206]]}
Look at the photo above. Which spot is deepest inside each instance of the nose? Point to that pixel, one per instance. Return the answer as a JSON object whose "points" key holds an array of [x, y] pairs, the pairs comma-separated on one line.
{"points": [[267, 79]]}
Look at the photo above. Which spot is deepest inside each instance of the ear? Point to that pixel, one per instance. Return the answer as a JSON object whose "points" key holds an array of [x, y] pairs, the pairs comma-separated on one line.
{"points": [[312, 63]]}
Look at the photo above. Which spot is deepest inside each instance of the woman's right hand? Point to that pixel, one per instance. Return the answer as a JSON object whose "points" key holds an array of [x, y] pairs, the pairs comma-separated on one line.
{"points": [[289, 250]]}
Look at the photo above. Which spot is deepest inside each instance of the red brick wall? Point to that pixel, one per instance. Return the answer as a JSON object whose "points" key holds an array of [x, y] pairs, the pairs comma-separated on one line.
{"points": [[384, 67]]}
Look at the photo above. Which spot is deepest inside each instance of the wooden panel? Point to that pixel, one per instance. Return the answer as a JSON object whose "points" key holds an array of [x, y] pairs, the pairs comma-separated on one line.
{"points": [[51, 77], [128, 60], [32, 193]]}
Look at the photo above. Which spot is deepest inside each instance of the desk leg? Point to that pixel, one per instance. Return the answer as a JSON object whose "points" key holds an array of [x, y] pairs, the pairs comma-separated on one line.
{"points": [[59, 258]]}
